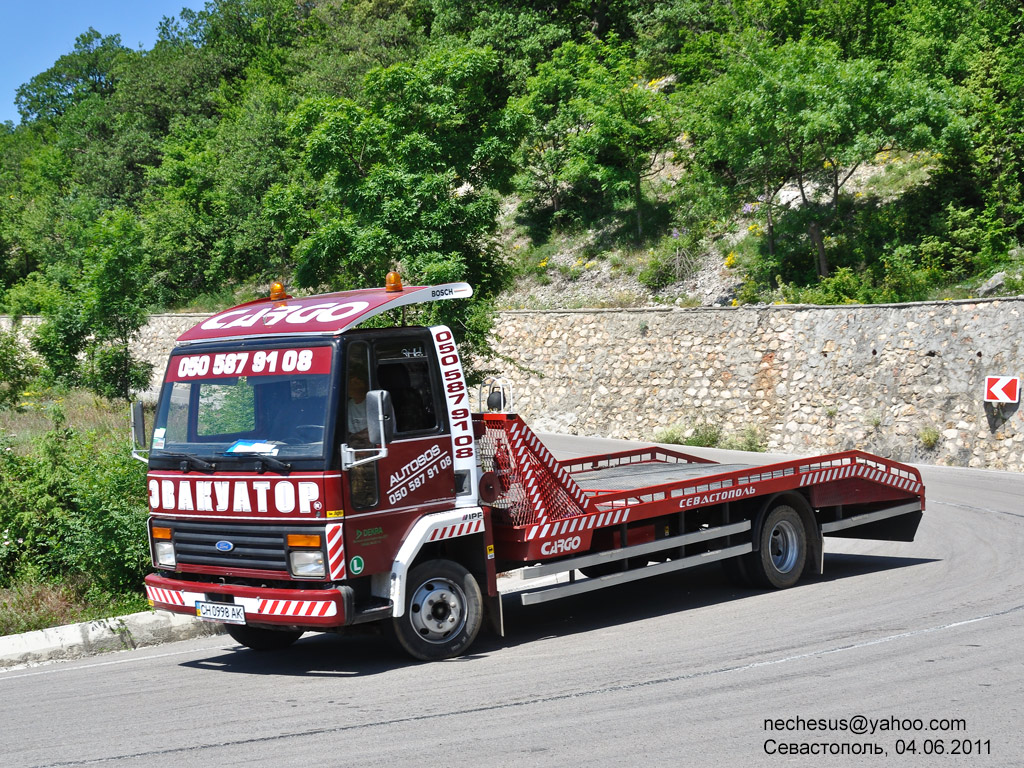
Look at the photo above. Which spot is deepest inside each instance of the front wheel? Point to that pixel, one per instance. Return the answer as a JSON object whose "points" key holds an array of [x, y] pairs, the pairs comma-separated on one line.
{"points": [[260, 639], [443, 611], [780, 559]]}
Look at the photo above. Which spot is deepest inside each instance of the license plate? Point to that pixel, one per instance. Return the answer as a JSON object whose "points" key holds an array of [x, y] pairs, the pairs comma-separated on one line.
{"points": [[228, 613]]}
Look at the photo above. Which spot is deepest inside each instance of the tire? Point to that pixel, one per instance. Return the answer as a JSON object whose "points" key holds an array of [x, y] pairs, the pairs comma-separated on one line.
{"points": [[260, 639], [780, 560], [443, 611]]}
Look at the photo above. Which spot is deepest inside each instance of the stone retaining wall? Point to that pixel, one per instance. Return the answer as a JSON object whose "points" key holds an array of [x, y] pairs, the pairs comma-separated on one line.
{"points": [[905, 381]]}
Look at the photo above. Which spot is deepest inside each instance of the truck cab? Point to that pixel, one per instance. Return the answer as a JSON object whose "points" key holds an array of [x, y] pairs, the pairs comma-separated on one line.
{"points": [[292, 457]]}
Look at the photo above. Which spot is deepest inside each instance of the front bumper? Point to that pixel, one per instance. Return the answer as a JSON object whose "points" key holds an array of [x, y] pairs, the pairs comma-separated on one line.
{"points": [[312, 609]]}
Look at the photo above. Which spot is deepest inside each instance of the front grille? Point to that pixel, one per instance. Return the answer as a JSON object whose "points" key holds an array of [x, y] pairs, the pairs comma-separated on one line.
{"points": [[260, 547]]}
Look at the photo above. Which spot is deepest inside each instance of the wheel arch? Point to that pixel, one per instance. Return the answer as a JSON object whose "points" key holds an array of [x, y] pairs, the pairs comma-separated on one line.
{"points": [[430, 539]]}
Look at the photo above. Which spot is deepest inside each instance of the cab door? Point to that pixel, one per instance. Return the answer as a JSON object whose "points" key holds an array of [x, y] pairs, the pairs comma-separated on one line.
{"points": [[387, 496]]}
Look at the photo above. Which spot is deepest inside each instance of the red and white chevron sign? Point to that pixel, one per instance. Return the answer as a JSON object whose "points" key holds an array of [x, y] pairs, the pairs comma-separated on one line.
{"points": [[1002, 389]]}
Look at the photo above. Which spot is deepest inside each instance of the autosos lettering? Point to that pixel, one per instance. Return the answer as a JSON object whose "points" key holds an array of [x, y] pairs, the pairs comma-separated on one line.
{"points": [[417, 464], [562, 545], [296, 314], [713, 498], [416, 473], [241, 496]]}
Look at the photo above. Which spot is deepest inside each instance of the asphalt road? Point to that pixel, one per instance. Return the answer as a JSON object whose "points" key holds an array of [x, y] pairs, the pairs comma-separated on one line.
{"points": [[681, 670]]}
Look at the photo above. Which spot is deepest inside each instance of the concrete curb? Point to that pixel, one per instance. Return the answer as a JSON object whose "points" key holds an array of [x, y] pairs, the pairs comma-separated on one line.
{"points": [[121, 633]]}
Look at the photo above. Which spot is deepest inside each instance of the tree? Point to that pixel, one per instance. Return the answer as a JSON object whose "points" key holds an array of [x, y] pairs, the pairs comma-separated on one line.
{"points": [[595, 118], [114, 300], [88, 70], [87, 336], [800, 113], [403, 180]]}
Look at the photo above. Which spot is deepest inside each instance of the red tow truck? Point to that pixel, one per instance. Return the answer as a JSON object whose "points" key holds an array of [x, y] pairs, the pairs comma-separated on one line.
{"points": [[308, 474]]}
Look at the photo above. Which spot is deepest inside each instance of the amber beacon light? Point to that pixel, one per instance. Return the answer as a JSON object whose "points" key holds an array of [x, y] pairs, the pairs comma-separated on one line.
{"points": [[277, 291], [393, 283]]}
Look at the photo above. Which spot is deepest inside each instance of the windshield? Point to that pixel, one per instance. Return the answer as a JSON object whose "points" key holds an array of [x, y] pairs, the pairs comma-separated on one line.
{"points": [[262, 402]]}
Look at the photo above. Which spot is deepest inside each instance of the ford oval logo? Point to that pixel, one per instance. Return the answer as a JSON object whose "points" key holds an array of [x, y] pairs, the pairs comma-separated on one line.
{"points": [[224, 546]]}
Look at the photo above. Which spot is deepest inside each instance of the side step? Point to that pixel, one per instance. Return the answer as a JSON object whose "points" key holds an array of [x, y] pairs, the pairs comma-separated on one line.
{"points": [[556, 591]]}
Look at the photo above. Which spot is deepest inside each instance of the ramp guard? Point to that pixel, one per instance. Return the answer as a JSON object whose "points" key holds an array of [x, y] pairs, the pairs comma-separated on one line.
{"points": [[535, 488]]}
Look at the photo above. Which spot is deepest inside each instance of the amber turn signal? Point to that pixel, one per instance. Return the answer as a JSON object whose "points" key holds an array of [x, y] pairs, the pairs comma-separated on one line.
{"points": [[303, 540], [160, 532]]}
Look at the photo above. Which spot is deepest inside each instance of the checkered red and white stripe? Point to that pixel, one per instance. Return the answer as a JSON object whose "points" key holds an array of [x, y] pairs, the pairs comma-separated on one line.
{"points": [[868, 472], [302, 608], [165, 596], [441, 532], [336, 551]]}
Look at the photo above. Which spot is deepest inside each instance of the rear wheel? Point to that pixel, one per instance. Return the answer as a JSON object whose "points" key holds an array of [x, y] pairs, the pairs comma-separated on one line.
{"points": [[260, 639], [782, 554], [443, 611]]}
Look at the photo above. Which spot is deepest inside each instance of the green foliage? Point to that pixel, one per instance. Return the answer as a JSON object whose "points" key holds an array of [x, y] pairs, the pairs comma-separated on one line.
{"points": [[929, 437], [230, 414], [751, 440], [85, 72], [596, 124], [801, 113], [73, 511], [197, 153], [705, 434], [17, 369], [100, 314], [403, 181]]}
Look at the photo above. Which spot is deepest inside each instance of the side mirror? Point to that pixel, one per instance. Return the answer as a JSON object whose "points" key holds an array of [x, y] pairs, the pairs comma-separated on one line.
{"points": [[380, 429], [380, 417], [138, 430]]}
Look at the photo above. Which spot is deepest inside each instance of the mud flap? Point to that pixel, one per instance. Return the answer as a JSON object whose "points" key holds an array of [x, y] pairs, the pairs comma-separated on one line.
{"points": [[495, 614]]}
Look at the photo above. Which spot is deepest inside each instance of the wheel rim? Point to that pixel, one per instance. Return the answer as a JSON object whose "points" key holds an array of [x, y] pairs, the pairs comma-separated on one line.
{"points": [[437, 610], [784, 546]]}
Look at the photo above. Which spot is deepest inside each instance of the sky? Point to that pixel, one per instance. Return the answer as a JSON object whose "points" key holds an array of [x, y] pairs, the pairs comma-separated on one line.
{"points": [[35, 33]]}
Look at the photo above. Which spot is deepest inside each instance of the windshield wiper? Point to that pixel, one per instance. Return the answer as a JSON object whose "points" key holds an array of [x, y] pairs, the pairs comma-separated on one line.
{"points": [[188, 461], [272, 463], [262, 461]]}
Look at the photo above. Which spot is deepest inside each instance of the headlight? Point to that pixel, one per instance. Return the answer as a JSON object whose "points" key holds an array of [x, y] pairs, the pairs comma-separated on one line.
{"points": [[164, 551], [307, 564]]}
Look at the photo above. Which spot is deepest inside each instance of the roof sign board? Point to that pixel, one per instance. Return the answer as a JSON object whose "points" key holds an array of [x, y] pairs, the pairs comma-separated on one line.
{"points": [[328, 314], [1002, 389]]}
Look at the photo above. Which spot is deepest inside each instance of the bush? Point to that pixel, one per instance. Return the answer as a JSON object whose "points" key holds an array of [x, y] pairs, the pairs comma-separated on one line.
{"points": [[929, 437], [73, 510], [17, 369], [706, 435], [112, 372], [702, 434]]}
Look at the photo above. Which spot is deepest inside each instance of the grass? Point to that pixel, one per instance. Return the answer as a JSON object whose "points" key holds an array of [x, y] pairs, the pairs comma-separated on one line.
{"points": [[27, 606], [41, 406], [706, 435], [929, 437]]}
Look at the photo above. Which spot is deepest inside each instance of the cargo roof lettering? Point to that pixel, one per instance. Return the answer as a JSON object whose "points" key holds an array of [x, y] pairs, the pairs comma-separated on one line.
{"points": [[327, 315]]}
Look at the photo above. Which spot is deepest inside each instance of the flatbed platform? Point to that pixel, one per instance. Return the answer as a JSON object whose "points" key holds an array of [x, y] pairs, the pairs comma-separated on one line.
{"points": [[630, 477]]}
